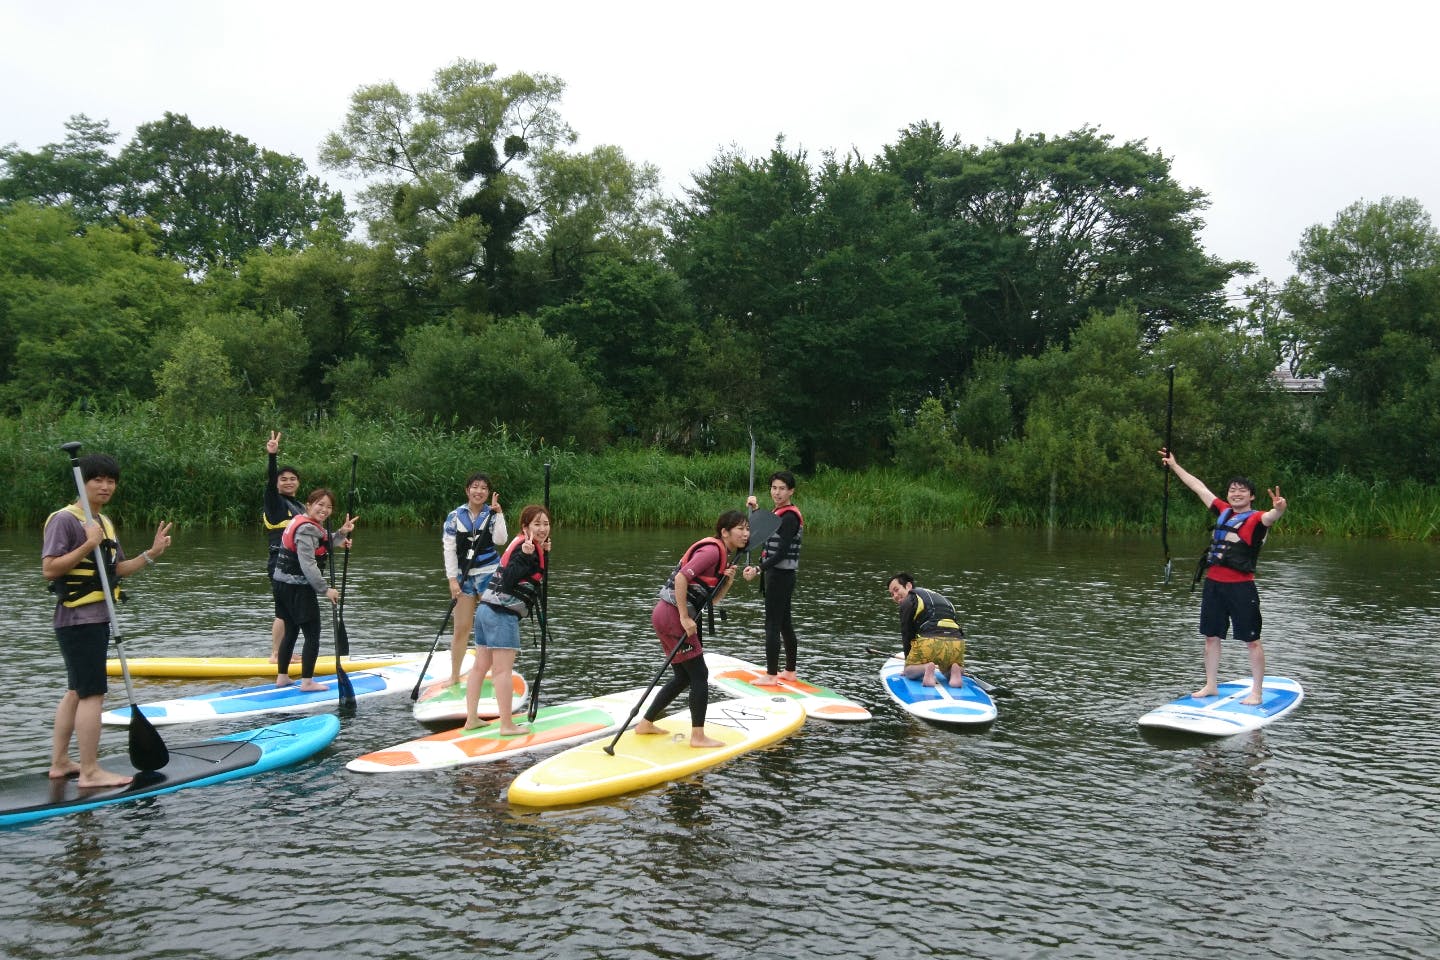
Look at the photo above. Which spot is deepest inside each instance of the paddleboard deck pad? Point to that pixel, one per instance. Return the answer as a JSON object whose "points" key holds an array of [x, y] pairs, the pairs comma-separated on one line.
{"points": [[445, 702], [737, 678], [968, 706], [587, 772], [560, 725], [35, 796], [1224, 714], [239, 702], [204, 667]]}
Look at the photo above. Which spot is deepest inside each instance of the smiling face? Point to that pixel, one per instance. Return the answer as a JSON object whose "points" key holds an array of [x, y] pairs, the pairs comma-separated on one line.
{"points": [[899, 591], [320, 509], [287, 483], [99, 490], [477, 494], [1239, 496], [737, 536], [538, 529]]}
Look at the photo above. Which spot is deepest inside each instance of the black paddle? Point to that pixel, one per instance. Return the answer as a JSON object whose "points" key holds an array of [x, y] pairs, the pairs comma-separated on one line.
{"points": [[544, 612], [343, 685], [989, 688], [1165, 511], [415, 694], [342, 635], [148, 752], [610, 747]]}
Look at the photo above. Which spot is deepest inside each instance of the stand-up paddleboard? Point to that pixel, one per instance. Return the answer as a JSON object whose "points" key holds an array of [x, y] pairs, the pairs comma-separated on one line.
{"points": [[737, 677], [561, 725], [1224, 714], [942, 703], [34, 796], [209, 667], [444, 703], [587, 772], [268, 698]]}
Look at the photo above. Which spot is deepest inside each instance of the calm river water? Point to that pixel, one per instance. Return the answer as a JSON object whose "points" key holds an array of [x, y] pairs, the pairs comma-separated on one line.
{"points": [[1059, 832]]}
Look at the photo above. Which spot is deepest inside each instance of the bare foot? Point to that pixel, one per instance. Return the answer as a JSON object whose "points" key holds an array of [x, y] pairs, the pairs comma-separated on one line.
{"points": [[69, 769], [700, 740], [647, 729], [472, 723], [103, 778], [1255, 699], [512, 731], [1205, 691], [769, 680], [310, 686], [929, 679], [790, 675], [282, 681], [957, 678]]}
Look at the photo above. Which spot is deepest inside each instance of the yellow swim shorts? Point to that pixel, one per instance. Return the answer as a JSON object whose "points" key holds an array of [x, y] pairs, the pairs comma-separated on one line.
{"points": [[941, 651]]}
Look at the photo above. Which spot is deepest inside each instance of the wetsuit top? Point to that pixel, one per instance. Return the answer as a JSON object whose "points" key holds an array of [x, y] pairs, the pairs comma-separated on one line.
{"points": [[515, 586], [782, 549], [925, 613], [1235, 544], [279, 509]]}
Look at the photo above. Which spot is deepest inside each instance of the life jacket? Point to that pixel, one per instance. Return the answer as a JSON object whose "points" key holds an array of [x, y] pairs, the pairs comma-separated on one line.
{"points": [[288, 561], [82, 585], [700, 589], [474, 540], [791, 558], [521, 596], [1227, 552], [934, 615]]}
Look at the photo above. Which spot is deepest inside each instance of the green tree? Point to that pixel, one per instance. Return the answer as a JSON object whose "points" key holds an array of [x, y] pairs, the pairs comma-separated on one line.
{"points": [[196, 381], [79, 171], [214, 196], [1366, 299]]}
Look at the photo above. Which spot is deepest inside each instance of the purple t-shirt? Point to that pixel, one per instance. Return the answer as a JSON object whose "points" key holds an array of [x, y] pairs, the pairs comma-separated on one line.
{"points": [[63, 533]]}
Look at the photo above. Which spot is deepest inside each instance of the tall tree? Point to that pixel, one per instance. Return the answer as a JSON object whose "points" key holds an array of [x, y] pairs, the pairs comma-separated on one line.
{"points": [[215, 197], [78, 171]]}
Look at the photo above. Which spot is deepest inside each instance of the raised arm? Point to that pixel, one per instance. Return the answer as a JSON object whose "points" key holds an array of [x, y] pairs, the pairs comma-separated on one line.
{"points": [[1187, 478]]}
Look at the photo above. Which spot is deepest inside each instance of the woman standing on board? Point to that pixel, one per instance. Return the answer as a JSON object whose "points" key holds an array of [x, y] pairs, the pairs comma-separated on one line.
{"points": [[701, 578], [512, 593], [1230, 597], [299, 582], [470, 541]]}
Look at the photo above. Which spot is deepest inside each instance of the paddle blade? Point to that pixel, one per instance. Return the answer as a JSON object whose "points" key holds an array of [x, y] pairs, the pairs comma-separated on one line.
{"points": [[148, 752], [345, 687], [342, 639]]}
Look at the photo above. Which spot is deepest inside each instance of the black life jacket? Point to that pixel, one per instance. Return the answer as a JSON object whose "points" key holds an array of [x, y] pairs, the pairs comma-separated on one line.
{"points": [[288, 561], [934, 615], [81, 585], [520, 597], [699, 590], [791, 558], [474, 540]]}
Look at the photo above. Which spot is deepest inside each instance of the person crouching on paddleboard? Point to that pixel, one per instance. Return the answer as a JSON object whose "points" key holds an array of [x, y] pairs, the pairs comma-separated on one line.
{"points": [[701, 578], [512, 593], [300, 582], [929, 631], [1230, 597], [82, 620]]}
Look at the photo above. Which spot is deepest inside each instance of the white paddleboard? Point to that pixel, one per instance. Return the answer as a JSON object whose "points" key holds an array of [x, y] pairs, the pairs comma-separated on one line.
{"points": [[1224, 714], [587, 772], [737, 677], [444, 703], [564, 724], [969, 706]]}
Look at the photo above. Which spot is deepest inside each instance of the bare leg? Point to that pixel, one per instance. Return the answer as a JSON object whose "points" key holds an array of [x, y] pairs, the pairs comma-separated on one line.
{"points": [[277, 632], [478, 669], [1257, 673], [87, 739], [464, 628], [1212, 668], [61, 765], [500, 676]]}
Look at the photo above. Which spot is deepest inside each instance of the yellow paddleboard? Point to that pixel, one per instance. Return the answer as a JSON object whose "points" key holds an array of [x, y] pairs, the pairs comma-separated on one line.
{"points": [[250, 666], [587, 772]]}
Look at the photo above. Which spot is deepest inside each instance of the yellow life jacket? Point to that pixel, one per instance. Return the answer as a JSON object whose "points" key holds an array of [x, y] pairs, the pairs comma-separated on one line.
{"points": [[82, 584]]}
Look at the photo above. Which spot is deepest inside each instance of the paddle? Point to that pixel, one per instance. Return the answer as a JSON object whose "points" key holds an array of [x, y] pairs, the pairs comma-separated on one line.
{"points": [[544, 613], [989, 688], [1165, 511], [415, 694], [610, 747], [148, 752], [342, 637]]}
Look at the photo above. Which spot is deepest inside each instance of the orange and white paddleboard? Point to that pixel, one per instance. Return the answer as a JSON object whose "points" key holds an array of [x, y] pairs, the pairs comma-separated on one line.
{"points": [[737, 677]]}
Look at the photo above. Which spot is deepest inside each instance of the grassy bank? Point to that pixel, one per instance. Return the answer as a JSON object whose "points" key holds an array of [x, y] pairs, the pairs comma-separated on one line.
{"points": [[214, 473]]}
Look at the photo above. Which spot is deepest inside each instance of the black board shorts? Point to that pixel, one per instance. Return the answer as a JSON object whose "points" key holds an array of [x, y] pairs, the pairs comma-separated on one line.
{"points": [[84, 646], [1230, 605]]}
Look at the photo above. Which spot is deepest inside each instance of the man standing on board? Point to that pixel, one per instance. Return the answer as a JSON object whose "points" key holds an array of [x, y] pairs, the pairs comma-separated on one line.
{"points": [[779, 563], [1230, 597], [282, 483], [82, 619]]}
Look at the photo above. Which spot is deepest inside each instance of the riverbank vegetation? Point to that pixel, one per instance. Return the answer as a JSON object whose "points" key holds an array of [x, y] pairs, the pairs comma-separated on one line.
{"points": [[944, 335]]}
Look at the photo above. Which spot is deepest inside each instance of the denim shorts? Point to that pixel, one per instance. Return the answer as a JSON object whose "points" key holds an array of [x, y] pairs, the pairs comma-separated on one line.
{"points": [[475, 584], [496, 629]]}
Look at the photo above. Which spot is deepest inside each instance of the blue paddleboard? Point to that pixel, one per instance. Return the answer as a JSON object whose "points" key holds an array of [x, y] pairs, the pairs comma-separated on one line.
{"points": [[966, 707], [1224, 714], [35, 796]]}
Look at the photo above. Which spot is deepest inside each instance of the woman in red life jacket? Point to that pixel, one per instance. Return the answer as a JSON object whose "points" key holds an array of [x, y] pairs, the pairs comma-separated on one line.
{"points": [[1230, 597], [701, 578], [512, 593], [299, 582]]}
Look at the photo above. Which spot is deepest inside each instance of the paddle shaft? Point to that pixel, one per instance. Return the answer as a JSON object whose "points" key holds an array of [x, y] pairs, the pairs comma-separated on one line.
{"points": [[544, 615], [147, 750], [610, 747], [1165, 509], [415, 694]]}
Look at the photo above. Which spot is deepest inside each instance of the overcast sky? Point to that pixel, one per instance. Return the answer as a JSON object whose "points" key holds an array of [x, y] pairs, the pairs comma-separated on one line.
{"points": [[1283, 113]]}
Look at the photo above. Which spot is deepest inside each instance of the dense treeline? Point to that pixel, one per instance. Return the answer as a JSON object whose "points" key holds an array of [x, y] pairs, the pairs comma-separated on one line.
{"points": [[999, 316]]}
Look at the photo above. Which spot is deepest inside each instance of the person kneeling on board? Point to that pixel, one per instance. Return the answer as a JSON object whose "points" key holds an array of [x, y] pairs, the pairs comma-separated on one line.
{"points": [[929, 631], [701, 578]]}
